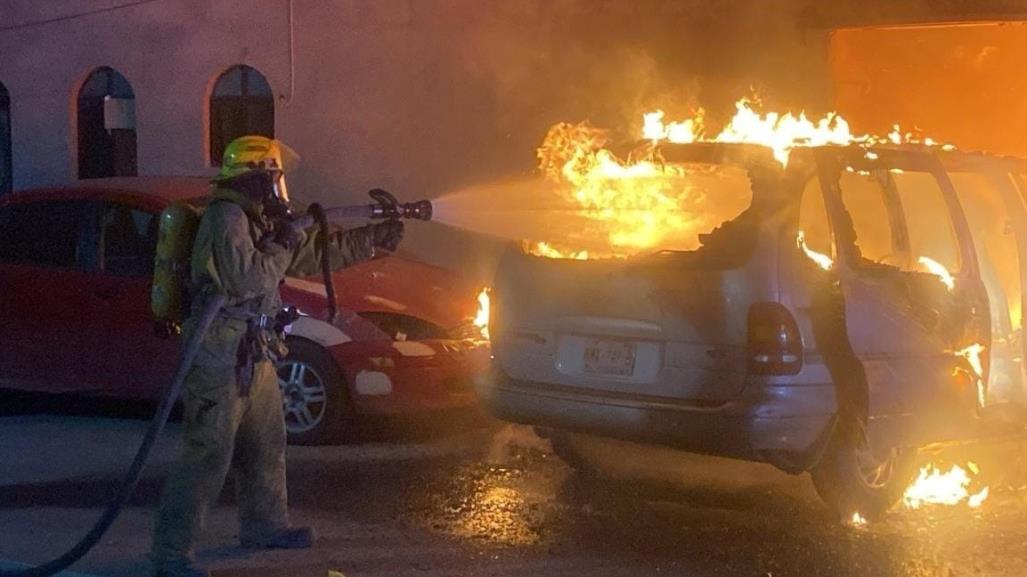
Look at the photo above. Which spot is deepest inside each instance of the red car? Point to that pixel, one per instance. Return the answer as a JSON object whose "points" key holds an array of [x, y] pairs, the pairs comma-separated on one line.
{"points": [[75, 274]]}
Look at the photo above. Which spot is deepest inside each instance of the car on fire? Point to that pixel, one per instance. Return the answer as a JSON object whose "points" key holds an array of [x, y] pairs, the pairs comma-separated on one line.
{"points": [[856, 304], [76, 267]]}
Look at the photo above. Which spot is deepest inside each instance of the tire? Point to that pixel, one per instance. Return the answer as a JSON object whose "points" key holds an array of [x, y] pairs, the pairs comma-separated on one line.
{"points": [[315, 398], [850, 479]]}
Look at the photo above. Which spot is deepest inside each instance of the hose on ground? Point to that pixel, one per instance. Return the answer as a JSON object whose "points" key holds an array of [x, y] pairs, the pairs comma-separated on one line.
{"points": [[131, 478]]}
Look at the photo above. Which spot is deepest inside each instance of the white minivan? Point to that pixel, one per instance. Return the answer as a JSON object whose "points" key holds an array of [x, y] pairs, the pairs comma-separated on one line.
{"points": [[857, 305]]}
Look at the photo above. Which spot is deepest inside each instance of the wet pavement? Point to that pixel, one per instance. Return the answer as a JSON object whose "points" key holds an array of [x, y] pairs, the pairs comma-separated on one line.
{"points": [[461, 494]]}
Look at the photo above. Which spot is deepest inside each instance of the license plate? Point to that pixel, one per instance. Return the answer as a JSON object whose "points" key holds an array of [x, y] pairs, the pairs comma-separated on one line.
{"points": [[610, 357]]}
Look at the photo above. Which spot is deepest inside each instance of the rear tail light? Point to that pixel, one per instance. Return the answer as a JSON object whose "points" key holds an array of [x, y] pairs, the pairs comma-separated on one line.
{"points": [[775, 345]]}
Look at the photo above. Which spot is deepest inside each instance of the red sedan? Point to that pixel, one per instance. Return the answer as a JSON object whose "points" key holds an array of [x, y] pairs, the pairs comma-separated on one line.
{"points": [[75, 274]]}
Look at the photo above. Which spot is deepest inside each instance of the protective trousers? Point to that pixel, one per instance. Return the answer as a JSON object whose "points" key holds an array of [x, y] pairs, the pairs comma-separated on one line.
{"points": [[225, 430]]}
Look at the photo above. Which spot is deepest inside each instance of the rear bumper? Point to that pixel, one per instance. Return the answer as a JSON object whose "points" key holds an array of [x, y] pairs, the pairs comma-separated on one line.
{"points": [[387, 378], [782, 425]]}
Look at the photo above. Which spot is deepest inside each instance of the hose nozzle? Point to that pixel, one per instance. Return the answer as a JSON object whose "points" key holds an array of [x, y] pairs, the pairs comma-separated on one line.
{"points": [[387, 206]]}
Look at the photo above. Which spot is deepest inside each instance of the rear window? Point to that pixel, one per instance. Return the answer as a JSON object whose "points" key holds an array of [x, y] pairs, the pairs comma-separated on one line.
{"points": [[710, 198], [48, 233]]}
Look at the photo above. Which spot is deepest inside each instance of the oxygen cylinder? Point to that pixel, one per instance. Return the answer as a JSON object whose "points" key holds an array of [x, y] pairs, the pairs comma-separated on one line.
{"points": [[175, 237]]}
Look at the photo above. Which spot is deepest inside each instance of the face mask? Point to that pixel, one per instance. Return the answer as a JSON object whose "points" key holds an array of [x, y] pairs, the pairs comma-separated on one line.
{"points": [[276, 204], [266, 187]]}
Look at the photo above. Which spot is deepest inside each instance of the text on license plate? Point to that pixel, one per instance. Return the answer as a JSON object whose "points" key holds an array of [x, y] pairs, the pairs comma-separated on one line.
{"points": [[604, 357]]}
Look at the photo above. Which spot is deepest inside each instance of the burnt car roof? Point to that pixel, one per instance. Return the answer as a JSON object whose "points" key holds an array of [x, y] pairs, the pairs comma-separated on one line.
{"points": [[738, 151]]}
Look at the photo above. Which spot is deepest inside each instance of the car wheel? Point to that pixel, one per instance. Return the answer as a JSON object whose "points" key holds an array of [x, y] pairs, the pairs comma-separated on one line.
{"points": [[852, 477], [315, 399]]}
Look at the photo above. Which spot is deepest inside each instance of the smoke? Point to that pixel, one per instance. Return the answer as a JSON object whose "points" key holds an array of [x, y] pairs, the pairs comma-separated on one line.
{"points": [[608, 62]]}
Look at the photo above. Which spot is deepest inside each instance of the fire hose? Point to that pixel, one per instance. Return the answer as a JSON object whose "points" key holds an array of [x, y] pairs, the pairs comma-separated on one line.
{"points": [[385, 207]]}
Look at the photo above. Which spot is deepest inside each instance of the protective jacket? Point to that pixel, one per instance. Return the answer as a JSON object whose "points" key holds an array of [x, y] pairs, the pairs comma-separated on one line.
{"points": [[233, 255], [232, 423]]}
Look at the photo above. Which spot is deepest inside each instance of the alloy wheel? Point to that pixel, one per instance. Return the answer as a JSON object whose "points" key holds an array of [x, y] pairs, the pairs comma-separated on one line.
{"points": [[304, 396]]}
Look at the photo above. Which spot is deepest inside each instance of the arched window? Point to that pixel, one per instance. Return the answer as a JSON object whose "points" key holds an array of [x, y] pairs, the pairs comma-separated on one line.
{"points": [[6, 176], [106, 126], [240, 104]]}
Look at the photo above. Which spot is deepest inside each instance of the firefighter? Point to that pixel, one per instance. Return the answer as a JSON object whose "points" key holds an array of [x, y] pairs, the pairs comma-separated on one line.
{"points": [[232, 405]]}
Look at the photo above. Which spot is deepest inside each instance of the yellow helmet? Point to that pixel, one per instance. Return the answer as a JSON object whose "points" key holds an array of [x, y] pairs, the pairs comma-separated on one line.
{"points": [[254, 152], [249, 153]]}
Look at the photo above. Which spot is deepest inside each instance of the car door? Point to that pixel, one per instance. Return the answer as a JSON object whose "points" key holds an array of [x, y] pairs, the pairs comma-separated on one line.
{"points": [[910, 281], [129, 359], [47, 259], [998, 223]]}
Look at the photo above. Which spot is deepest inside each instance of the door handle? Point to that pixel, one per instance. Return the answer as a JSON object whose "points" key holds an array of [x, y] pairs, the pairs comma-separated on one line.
{"points": [[108, 293]]}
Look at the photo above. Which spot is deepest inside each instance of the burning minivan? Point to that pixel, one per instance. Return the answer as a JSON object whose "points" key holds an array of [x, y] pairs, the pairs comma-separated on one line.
{"points": [[828, 311]]}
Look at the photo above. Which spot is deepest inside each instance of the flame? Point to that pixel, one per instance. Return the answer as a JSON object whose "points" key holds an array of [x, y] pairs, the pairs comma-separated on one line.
{"points": [[783, 132], [481, 319], [933, 487], [937, 269], [682, 132], [779, 132], [823, 261], [547, 250], [973, 356], [639, 201]]}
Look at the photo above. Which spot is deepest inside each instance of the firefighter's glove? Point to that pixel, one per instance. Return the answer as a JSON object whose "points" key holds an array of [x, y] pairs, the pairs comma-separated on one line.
{"points": [[287, 236], [387, 234]]}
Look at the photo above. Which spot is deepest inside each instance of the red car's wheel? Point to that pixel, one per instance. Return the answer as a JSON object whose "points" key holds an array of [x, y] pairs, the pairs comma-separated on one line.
{"points": [[315, 400]]}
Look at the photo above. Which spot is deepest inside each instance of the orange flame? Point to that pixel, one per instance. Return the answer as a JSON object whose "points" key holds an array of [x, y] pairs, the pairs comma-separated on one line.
{"points": [[933, 487], [973, 355], [639, 201], [938, 270], [549, 251], [481, 319], [857, 520], [823, 261]]}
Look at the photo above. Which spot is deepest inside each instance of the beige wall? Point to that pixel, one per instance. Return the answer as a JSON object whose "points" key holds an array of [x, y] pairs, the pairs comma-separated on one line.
{"points": [[417, 96]]}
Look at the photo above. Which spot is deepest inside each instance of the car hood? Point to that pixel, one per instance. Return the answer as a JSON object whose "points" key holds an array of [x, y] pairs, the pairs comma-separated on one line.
{"points": [[399, 285]]}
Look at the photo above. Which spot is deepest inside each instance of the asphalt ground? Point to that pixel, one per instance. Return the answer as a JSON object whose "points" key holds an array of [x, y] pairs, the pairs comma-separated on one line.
{"points": [[461, 494]]}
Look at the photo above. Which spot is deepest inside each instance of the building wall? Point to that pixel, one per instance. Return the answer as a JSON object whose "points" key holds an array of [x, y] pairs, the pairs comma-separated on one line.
{"points": [[976, 102], [420, 97]]}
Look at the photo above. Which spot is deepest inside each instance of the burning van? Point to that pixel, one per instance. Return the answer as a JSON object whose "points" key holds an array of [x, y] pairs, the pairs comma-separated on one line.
{"points": [[829, 310]]}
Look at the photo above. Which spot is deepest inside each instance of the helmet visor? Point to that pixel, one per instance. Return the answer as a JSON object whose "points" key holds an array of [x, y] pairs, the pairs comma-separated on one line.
{"points": [[288, 159], [281, 191]]}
